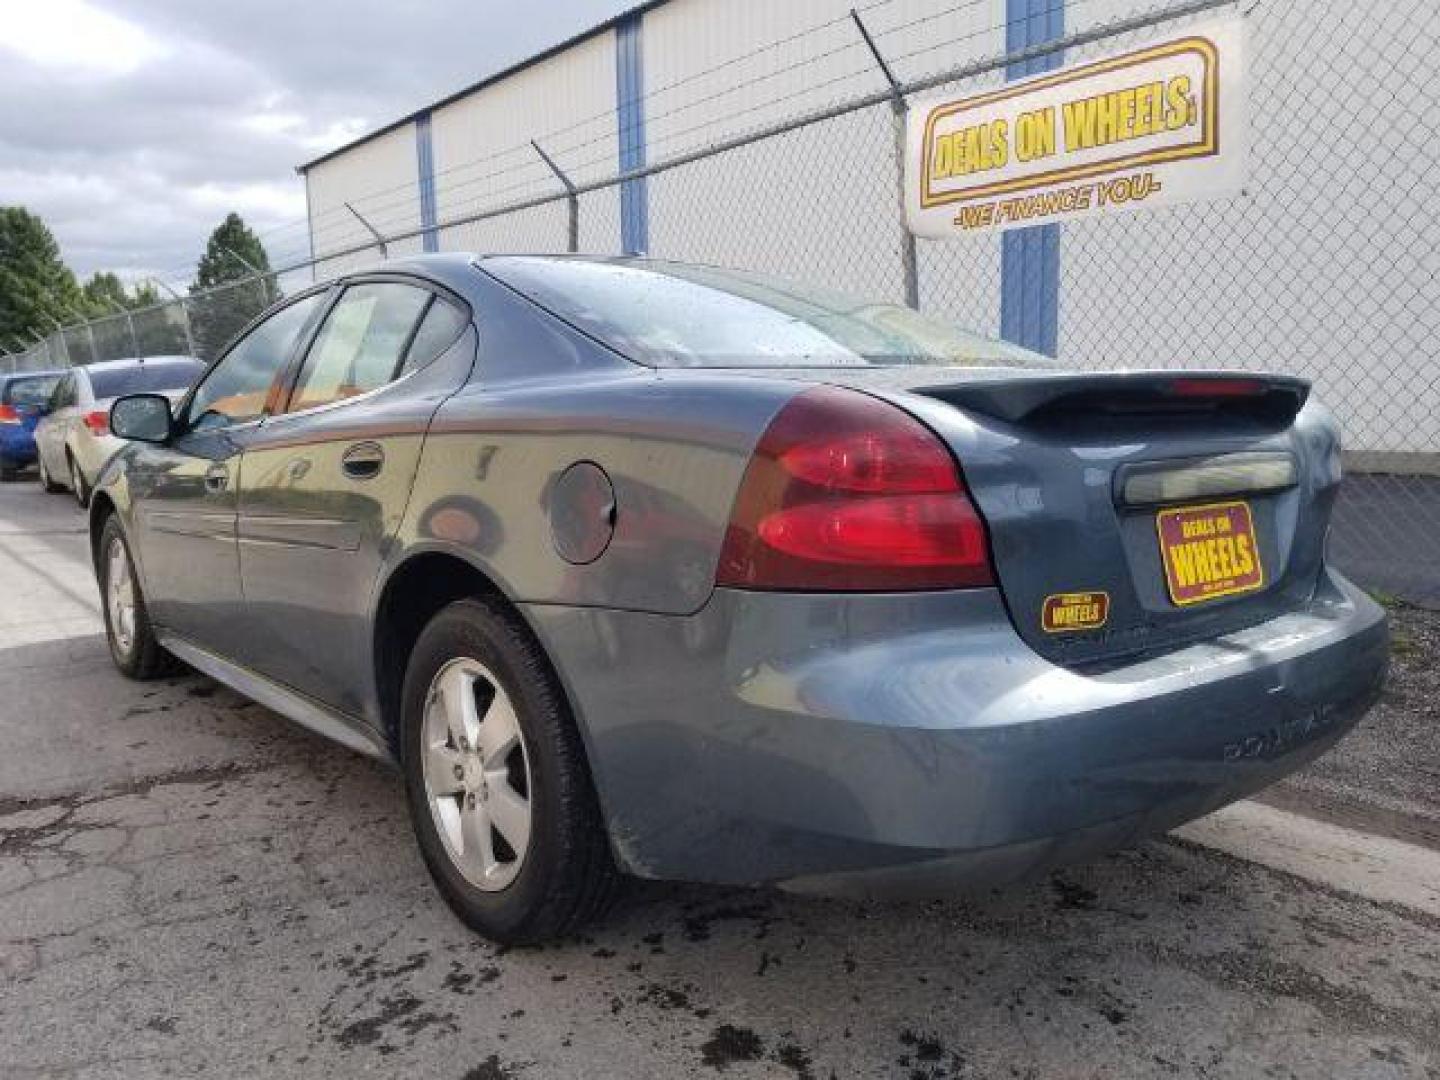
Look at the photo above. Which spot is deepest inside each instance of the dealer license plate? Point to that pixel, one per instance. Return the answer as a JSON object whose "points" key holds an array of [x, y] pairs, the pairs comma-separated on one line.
{"points": [[1209, 552]]}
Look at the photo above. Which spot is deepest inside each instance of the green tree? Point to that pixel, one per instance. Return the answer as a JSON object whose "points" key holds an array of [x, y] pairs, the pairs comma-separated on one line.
{"points": [[227, 294], [105, 291], [229, 255], [35, 284]]}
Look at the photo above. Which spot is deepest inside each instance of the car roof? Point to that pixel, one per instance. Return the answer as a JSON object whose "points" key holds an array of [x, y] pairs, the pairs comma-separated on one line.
{"points": [[11, 376]]}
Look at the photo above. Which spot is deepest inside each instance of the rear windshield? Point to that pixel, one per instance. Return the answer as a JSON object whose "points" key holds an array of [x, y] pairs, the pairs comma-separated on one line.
{"points": [[145, 378], [675, 315], [32, 391]]}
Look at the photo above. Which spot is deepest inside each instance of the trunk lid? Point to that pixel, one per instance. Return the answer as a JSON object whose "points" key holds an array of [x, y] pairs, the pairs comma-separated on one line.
{"points": [[1088, 485]]}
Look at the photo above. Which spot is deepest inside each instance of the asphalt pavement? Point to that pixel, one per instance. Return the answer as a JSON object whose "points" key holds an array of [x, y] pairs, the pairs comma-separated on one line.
{"points": [[190, 886]]}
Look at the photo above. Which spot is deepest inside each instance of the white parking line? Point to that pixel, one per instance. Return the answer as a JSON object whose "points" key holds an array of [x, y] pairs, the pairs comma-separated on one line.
{"points": [[1373, 867]]}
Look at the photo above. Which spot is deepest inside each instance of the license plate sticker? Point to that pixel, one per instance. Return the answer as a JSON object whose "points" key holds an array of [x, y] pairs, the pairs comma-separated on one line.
{"points": [[1209, 552]]}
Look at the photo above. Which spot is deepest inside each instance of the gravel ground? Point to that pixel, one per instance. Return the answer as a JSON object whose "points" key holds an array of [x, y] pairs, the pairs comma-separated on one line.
{"points": [[1385, 777]]}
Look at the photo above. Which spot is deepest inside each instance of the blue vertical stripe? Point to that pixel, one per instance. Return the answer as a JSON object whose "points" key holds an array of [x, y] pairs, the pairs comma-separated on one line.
{"points": [[425, 159], [1030, 258], [630, 115]]}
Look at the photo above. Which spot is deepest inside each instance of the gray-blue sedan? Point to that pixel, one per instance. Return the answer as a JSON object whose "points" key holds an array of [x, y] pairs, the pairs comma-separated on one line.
{"points": [[636, 567]]}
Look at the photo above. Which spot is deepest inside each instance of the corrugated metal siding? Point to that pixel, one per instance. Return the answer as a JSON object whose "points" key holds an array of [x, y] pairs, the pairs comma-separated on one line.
{"points": [[483, 156], [818, 203], [379, 178]]}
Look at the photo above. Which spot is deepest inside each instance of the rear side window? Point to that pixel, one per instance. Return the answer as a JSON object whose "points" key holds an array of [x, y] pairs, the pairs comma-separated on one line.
{"points": [[442, 324], [32, 391], [360, 345], [145, 379]]}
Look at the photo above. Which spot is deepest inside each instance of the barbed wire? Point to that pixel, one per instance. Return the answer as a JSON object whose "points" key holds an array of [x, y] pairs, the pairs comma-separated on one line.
{"points": [[396, 212]]}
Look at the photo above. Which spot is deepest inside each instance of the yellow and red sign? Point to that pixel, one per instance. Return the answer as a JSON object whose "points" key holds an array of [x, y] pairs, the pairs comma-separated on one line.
{"points": [[1066, 612], [1209, 552], [1154, 126]]}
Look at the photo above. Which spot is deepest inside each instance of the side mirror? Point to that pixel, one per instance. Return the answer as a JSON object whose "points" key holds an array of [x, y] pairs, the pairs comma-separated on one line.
{"points": [[142, 417]]}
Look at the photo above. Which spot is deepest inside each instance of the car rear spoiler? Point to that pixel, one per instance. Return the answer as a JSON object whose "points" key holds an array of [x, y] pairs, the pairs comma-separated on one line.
{"points": [[1272, 399]]}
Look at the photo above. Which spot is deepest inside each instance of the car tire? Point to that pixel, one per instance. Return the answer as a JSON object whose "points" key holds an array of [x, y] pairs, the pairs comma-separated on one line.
{"points": [[77, 482], [564, 875], [133, 645], [46, 481], [9, 471]]}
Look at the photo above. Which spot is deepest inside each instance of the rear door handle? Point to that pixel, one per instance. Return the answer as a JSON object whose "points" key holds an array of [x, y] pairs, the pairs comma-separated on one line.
{"points": [[217, 478], [363, 460]]}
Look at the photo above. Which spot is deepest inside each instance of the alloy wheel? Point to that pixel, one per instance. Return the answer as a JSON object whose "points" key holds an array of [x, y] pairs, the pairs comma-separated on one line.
{"points": [[120, 596], [477, 774]]}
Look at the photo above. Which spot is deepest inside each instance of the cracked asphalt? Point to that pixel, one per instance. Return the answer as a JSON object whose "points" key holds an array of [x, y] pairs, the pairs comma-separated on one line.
{"points": [[189, 886]]}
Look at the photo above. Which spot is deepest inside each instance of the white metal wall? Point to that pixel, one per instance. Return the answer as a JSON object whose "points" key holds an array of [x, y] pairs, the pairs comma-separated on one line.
{"points": [[483, 156], [1249, 282], [379, 178], [818, 203]]}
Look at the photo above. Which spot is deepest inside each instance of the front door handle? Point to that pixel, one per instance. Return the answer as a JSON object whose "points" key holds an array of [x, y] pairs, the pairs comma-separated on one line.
{"points": [[363, 460], [217, 478]]}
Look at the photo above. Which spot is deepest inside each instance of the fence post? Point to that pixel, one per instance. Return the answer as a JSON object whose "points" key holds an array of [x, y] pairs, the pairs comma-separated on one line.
{"points": [[89, 336], [899, 108], [255, 270], [184, 314], [572, 198], [379, 240], [129, 324], [64, 345]]}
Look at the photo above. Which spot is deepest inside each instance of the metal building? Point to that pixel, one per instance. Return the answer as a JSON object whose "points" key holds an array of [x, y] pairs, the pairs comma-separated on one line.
{"points": [[1324, 267]]}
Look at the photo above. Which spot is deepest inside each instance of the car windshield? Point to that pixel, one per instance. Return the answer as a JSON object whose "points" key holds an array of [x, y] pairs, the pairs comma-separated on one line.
{"points": [[35, 390], [149, 378], [675, 315]]}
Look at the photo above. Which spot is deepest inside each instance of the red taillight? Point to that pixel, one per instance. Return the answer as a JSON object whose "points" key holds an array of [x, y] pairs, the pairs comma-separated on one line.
{"points": [[847, 493], [8, 415], [1217, 388], [98, 422]]}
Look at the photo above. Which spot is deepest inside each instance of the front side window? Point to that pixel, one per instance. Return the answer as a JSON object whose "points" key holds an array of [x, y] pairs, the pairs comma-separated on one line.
{"points": [[675, 315], [235, 390], [361, 344]]}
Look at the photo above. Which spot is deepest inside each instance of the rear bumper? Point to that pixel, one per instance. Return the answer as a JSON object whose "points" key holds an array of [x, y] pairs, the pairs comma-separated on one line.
{"points": [[17, 445], [871, 741], [92, 452]]}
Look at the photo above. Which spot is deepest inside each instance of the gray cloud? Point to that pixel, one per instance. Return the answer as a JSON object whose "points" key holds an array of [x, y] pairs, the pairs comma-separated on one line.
{"points": [[131, 170]]}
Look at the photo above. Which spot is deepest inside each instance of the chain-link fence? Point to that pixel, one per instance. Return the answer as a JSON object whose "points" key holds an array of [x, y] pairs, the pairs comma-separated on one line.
{"points": [[1326, 266]]}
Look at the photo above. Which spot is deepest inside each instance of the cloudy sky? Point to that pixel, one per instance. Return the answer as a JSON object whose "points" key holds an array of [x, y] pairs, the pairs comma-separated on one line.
{"points": [[133, 126]]}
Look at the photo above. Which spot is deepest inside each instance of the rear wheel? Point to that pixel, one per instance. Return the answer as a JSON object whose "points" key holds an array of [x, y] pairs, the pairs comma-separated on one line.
{"points": [[8, 470], [77, 483], [499, 789], [133, 645]]}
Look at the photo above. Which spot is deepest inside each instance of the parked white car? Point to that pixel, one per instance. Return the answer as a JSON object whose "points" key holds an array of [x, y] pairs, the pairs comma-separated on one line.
{"points": [[73, 440]]}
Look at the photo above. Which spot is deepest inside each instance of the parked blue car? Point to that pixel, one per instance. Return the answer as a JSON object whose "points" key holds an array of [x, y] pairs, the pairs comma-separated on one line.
{"points": [[24, 399]]}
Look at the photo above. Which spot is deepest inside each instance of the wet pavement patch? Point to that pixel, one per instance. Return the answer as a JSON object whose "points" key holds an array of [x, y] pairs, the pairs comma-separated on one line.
{"points": [[729, 1044], [490, 1069]]}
